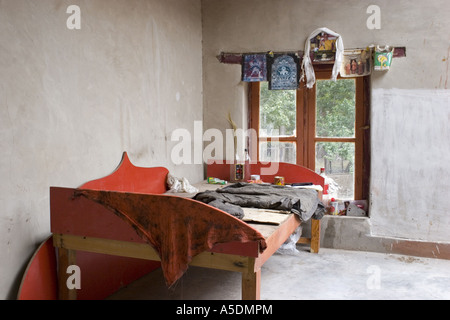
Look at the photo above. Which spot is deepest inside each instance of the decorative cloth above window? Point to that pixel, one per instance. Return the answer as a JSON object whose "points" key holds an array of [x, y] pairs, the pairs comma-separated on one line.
{"points": [[307, 67], [254, 68], [284, 72], [383, 58], [356, 63]]}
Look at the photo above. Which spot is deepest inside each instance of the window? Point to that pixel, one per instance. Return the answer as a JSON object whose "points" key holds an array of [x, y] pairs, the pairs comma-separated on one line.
{"points": [[323, 127], [278, 121]]}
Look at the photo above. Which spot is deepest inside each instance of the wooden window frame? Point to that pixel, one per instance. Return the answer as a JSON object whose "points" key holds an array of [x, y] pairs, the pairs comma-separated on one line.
{"points": [[306, 139]]}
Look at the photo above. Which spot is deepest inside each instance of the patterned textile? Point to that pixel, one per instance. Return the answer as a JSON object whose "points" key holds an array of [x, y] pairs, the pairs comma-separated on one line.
{"points": [[284, 72], [308, 73], [254, 68], [356, 63]]}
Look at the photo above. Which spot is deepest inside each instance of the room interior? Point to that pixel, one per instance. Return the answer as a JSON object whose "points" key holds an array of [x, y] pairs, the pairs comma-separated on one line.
{"points": [[79, 88]]}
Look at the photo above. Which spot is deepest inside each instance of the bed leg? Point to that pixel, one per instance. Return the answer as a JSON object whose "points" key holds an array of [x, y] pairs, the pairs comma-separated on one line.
{"points": [[251, 285], [315, 235], [66, 258]]}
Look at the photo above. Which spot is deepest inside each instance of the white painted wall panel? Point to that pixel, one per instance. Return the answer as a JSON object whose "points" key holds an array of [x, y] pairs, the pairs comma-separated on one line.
{"points": [[410, 178]]}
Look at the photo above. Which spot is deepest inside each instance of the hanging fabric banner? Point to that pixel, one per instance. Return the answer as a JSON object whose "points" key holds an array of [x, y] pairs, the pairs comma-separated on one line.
{"points": [[284, 72], [323, 47], [383, 58], [307, 67], [356, 63], [254, 68]]}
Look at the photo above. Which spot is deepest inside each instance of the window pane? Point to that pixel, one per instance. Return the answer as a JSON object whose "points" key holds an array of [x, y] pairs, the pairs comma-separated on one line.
{"points": [[278, 151], [338, 159], [335, 112], [277, 112]]}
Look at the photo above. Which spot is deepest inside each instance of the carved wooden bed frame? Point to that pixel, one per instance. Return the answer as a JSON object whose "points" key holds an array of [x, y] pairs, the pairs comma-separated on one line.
{"points": [[112, 253]]}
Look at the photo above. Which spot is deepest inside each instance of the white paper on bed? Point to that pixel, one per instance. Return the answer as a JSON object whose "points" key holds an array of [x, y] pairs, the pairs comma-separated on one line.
{"points": [[267, 216]]}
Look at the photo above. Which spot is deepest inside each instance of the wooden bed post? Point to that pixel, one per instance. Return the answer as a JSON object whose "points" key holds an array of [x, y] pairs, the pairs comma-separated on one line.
{"points": [[251, 281], [251, 285], [66, 258], [315, 235]]}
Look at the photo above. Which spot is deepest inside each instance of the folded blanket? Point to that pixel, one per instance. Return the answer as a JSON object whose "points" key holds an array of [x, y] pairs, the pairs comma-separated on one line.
{"points": [[303, 202]]}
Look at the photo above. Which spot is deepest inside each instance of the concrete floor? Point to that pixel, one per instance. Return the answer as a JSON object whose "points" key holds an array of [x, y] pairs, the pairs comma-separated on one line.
{"points": [[332, 274]]}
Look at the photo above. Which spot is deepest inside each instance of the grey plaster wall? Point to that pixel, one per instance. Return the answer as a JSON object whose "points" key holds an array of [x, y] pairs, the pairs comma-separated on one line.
{"points": [[71, 101]]}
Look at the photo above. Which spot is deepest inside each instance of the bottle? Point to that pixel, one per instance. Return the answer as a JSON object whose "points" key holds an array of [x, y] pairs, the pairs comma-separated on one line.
{"points": [[237, 172], [247, 173], [240, 169], [247, 157], [326, 185], [334, 207], [325, 195]]}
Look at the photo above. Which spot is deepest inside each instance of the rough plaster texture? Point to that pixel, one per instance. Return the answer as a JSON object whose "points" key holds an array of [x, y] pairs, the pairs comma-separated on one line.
{"points": [[71, 101], [410, 103]]}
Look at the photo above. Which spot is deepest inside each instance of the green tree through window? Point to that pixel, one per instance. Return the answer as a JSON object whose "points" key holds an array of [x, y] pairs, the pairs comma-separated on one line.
{"points": [[335, 108], [278, 111], [335, 118]]}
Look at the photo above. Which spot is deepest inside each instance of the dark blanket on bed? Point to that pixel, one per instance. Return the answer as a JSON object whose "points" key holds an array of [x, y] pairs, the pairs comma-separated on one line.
{"points": [[303, 202]]}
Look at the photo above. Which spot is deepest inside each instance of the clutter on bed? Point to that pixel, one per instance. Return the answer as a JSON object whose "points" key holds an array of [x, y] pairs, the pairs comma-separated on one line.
{"points": [[302, 202]]}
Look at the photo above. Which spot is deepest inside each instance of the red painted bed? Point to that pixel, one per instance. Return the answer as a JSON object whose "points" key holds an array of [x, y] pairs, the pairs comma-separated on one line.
{"points": [[100, 227]]}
